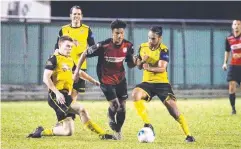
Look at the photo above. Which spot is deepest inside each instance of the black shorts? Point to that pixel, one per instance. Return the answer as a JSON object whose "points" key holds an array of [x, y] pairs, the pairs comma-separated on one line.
{"points": [[162, 90], [234, 73], [79, 86], [115, 91], [61, 110]]}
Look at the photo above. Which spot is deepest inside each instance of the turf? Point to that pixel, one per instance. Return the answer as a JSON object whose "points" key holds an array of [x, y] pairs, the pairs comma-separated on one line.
{"points": [[209, 120]]}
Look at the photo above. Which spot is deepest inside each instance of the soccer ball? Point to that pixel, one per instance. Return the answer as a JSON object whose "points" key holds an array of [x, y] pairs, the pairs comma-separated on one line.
{"points": [[146, 135]]}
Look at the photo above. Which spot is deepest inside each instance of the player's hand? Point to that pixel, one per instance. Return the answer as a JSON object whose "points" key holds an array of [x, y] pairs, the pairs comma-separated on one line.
{"points": [[146, 66], [97, 83], [145, 57], [76, 76], [60, 98], [225, 67]]}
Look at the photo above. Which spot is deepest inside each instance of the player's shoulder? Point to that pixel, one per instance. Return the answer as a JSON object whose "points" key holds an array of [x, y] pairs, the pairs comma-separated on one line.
{"points": [[127, 42], [106, 41], [85, 26], [65, 26], [163, 47], [144, 44], [230, 36]]}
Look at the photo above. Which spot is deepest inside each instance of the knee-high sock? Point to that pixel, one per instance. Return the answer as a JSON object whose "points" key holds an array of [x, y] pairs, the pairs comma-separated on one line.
{"points": [[94, 127], [181, 120], [232, 98], [47, 132], [120, 118], [142, 111]]}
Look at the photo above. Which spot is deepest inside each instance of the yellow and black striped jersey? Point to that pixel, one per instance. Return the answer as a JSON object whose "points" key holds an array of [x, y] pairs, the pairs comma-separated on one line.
{"points": [[63, 67], [82, 36], [161, 53]]}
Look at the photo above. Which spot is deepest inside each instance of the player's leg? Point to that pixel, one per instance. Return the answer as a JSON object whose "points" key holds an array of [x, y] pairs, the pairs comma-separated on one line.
{"points": [[65, 125], [166, 95], [110, 94], [78, 109], [122, 95], [232, 96], [141, 93]]}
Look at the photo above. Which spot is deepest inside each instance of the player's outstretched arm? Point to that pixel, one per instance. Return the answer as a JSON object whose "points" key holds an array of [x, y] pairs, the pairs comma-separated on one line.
{"points": [[83, 75]]}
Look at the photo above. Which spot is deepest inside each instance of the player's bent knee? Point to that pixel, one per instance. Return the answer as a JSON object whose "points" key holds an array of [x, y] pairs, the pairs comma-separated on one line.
{"points": [[136, 95]]}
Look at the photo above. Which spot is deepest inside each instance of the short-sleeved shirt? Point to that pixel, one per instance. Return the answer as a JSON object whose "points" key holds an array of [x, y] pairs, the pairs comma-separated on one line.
{"points": [[63, 68], [161, 53], [110, 68], [233, 44], [83, 35]]}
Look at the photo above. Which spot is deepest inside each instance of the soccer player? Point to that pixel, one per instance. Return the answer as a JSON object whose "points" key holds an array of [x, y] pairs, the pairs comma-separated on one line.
{"points": [[111, 54], [233, 45], [153, 58], [83, 37], [58, 76]]}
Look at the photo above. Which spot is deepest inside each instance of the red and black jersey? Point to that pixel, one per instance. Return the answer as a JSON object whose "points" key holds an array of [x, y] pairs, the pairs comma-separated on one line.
{"points": [[233, 44], [110, 68]]}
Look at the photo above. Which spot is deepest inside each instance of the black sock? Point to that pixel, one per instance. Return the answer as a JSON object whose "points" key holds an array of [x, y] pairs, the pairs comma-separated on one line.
{"points": [[111, 116], [232, 98], [120, 118]]}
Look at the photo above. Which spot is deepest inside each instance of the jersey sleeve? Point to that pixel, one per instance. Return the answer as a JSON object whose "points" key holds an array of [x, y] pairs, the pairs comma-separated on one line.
{"points": [[129, 54], [94, 50], [164, 55], [51, 63], [60, 34], [227, 46], [90, 39]]}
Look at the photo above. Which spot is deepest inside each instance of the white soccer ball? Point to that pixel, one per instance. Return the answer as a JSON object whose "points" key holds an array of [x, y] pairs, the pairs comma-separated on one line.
{"points": [[146, 135]]}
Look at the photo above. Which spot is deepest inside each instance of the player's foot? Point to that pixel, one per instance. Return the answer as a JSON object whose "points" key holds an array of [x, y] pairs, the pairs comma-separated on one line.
{"points": [[118, 135], [190, 139], [108, 137], [150, 126], [233, 111], [36, 133]]}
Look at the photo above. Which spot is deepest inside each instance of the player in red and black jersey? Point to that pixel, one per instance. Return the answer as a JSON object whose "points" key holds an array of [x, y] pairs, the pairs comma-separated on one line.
{"points": [[111, 72], [233, 46]]}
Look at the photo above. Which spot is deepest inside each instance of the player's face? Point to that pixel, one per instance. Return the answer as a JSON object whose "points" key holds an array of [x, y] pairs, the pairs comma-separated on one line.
{"points": [[236, 26], [65, 47], [118, 35], [153, 39], [76, 15]]}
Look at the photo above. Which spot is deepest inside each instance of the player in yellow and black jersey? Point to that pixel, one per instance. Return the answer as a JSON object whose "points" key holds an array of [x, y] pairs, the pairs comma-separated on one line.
{"points": [[153, 58], [83, 37], [58, 77]]}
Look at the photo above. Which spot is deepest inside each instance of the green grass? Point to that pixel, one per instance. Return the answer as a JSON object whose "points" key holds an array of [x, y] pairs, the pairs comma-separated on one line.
{"points": [[209, 120]]}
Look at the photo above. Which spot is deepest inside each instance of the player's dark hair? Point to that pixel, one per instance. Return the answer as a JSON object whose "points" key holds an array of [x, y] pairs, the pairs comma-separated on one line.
{"points": [[117, 24], [74, 7], [64, 38], [157, 30]]}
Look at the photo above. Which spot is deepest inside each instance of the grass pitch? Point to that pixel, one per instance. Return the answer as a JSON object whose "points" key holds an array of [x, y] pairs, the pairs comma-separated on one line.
{"points": [[209, 120]]}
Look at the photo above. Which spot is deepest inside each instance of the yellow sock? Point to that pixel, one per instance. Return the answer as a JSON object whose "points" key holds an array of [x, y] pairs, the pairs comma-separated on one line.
{"points": [[47, 132], [181, 120], [142, 111], [94, 127]]}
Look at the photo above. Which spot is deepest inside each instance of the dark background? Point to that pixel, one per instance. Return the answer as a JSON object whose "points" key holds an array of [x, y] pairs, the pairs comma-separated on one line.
{"points": [[152, 9]]}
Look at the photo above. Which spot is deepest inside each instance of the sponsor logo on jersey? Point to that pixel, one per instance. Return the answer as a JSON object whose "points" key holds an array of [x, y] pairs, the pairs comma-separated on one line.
{"points": [[114, 59]]}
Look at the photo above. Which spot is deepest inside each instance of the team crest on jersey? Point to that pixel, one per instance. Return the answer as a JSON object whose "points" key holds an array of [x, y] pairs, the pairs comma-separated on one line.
{"points": [[65, 67], [125, 50], [81, 31]]}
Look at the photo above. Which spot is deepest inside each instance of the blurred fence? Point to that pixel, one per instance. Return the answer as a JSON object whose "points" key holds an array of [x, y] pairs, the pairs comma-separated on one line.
{"points": [[196, 49]]}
